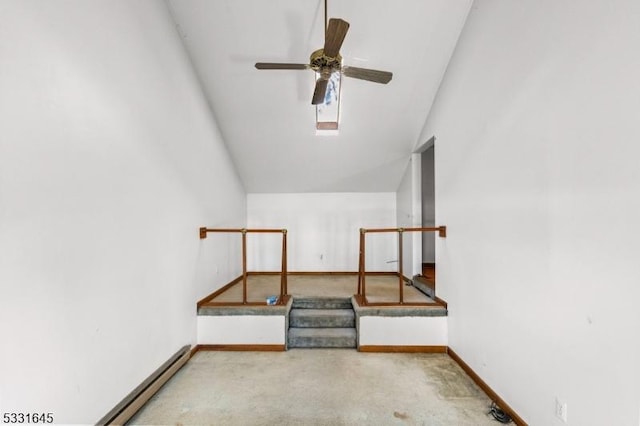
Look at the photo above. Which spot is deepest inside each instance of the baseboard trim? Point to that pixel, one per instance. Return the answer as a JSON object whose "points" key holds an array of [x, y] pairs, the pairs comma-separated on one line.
{"points": [[194, 350], [254, 273], [486, 388], [131, 403], [219, 291], [320, 273], [403, 349], [316, 273], [239, 348]]}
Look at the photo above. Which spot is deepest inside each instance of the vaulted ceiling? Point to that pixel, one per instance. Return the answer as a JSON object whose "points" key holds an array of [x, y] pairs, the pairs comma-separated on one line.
{"points": [[266, 117]]}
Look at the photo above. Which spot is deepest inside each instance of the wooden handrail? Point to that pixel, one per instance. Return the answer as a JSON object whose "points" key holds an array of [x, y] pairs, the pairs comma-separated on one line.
{"points": [[204, 231], [244, 231], [442, 230], [362, 292]]}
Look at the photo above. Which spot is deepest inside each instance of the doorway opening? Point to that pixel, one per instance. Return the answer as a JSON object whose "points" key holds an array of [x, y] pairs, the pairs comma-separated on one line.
{"points": [[428, 196]]}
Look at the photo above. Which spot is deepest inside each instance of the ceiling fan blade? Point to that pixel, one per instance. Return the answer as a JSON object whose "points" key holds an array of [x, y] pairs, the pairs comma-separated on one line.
{"points": [[366, 74], [336, 32], [319, 92], [275, 66]]}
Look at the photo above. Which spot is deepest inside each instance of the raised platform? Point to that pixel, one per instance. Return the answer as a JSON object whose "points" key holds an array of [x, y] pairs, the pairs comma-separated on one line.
{"points": [[378, 328], [381, 288], [382, 328]]}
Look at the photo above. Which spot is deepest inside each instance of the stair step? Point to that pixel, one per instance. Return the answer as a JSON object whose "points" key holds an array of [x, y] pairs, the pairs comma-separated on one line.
{"points": [[322, 338], [322, 303], [319, 318]]}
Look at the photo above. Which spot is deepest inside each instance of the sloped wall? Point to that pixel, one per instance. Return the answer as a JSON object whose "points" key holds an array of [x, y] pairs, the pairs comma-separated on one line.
{"points": [[538, 182], [110, 161]]}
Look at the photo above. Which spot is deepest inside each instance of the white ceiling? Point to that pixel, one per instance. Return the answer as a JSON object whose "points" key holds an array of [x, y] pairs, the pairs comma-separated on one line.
{"points": [[266, 117]]}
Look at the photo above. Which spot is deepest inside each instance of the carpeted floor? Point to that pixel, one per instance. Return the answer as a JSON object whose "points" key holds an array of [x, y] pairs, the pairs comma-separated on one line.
{"points": [[379, 288], [318, 387]]}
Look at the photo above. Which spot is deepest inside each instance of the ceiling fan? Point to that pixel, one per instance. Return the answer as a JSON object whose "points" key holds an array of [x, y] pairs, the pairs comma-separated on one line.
{"points": [[327, 61]]}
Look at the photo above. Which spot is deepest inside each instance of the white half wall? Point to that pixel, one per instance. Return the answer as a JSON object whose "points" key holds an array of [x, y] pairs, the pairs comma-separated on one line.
{"points": [[402, 331], [110, 161], [241, 330], [323, 231], [538, 182]]}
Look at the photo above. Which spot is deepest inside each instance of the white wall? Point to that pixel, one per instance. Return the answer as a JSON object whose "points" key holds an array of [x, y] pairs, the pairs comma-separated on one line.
{"points": [[109, 163], [538, 182], [323, 231]]}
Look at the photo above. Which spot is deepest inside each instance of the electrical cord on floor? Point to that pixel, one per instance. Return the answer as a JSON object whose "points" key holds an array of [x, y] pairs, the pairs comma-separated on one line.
{"points": [[498, 413]]}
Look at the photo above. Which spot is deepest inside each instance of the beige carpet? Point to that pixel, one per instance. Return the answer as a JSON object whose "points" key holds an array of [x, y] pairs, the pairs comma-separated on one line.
{"points": [[318, 387]]}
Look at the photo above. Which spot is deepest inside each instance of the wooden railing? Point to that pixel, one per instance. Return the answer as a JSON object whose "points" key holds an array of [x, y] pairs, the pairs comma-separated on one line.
{"points": [[362, 287], [244, 232]]}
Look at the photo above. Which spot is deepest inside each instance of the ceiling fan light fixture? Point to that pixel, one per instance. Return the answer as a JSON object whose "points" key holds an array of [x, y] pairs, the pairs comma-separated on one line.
{"points": [[328, 111]]}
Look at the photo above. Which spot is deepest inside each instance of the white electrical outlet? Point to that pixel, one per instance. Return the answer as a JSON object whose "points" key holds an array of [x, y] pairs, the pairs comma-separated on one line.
{"points": [[561, 410]]}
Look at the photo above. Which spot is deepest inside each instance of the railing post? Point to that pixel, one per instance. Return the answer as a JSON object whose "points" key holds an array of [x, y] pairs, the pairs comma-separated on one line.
{"points": [[400, 262], [244, 266], [359, 292], [362, 263], [283, 278]]}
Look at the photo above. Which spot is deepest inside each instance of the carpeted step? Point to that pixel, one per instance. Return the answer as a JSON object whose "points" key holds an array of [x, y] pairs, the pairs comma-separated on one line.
{"points": [[322, 338], [319, 318], [322, 303]]}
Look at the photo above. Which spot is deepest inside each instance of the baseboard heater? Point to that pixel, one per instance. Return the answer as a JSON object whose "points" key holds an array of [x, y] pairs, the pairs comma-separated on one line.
{"points": [[130, 405]]}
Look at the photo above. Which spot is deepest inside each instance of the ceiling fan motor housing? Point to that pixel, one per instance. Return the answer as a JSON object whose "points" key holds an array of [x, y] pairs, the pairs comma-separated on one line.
{"points": [[323, 64]]}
